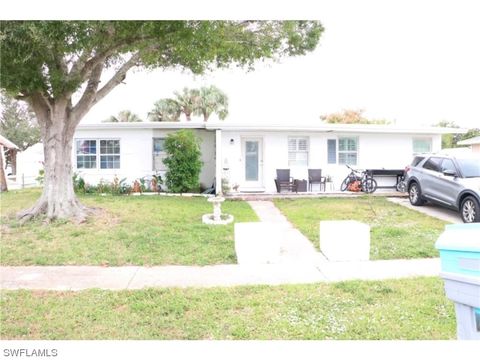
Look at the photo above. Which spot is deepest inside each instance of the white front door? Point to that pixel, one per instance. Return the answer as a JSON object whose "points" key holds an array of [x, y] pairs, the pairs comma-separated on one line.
{"points": [[252, 162]]}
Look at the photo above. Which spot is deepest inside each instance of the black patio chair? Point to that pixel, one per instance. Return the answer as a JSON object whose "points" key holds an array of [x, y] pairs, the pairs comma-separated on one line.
{"points": [[284, 181], [315, 177]]}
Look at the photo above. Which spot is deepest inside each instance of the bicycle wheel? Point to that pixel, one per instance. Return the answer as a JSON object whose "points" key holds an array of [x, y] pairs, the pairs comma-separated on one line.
{"points": [[345, 183], [369, 185]]}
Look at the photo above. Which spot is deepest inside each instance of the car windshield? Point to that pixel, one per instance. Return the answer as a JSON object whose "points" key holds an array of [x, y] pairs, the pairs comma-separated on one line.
{"points": [[470, 167]]}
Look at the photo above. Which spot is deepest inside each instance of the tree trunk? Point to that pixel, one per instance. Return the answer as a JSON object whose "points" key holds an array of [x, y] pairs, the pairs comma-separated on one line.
{"points": [[3, 180], [13, 160], [58, 200]]}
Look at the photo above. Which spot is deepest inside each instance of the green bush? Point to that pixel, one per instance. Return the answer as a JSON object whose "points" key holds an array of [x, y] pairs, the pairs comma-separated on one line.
{"points": [[182, 161]]}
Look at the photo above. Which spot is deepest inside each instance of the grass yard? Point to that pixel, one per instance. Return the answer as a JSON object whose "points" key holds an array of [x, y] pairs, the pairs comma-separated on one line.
{"points": [[396, 309], [396, 232], [137, 230]]}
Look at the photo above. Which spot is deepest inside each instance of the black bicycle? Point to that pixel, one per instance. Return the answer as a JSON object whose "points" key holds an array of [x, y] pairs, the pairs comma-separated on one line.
{"points": [[365, 181]]}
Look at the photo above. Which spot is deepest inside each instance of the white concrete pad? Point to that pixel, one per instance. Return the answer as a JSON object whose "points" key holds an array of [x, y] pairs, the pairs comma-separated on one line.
{"points": [[258, 242], [345, 240]]}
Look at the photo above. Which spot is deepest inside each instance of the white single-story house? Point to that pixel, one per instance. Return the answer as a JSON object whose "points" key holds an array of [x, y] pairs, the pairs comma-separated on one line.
{"points": [[249, 154], [473, 142]]}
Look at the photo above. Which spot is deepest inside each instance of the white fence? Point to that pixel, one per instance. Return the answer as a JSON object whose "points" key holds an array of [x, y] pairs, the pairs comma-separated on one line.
{"points": [[21, 181]]}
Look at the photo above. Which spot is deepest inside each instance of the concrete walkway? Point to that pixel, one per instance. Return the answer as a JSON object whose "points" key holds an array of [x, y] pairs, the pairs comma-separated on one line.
{"points": [[433, 210], [135, 277], [299, 263], [294, 246]]}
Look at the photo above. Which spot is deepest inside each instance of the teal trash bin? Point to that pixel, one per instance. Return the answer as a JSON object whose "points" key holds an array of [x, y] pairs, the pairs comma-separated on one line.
{"points": [[459, 247]]}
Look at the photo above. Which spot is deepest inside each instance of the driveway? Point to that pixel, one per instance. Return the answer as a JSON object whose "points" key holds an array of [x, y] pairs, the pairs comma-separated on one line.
{"points": [[431, 210]]}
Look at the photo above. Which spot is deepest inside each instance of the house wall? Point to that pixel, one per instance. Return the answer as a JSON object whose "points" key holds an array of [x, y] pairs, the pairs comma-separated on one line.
{"points": [[136, 154], [476, 148], [29, 164], [389, 151]]}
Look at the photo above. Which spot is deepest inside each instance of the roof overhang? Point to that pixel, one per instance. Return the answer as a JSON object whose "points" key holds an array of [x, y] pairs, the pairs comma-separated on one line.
{"points": [[7, 143], [141, 125], [472, 141], [335, 128], [246, 127]]}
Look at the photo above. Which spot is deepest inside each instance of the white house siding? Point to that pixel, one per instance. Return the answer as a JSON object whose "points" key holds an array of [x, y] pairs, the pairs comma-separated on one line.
{"points": [[136, 154], [389, 151]]}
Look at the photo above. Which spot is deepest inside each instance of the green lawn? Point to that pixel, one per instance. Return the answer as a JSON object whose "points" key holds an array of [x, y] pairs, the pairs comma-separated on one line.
{"points": [[396, 309], [396, 232], [143, 230]]}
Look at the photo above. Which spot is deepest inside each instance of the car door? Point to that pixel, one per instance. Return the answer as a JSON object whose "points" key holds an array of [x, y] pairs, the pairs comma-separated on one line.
{"points": [[431, 169], [447, 187]]}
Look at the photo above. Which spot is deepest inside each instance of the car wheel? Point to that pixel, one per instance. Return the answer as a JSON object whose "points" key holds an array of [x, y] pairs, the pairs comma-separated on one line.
{"points": [[470, 210], [415, 195]]}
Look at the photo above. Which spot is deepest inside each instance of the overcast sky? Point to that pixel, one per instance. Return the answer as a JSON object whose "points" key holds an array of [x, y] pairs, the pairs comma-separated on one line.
{"points": [[415, 62]]}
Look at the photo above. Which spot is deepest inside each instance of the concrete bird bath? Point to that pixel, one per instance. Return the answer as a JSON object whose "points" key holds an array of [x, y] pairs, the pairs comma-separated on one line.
{"points": [[217, 218]]}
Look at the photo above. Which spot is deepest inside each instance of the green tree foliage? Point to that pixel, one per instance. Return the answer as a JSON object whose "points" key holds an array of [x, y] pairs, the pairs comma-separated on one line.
{"points": [[124, 116], [182, 161], [471, 133], [352, 117], [54, 58], [212, 100], [201, 102], [165, 110], [18, 124], [451, 140], [187, 101]]}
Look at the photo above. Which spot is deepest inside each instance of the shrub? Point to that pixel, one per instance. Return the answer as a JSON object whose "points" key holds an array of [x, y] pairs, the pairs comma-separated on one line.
{"points": [[182, 161], [78, 183]]}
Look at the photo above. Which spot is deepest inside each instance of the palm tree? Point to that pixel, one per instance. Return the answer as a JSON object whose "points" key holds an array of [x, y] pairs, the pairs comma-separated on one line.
{"points": [[188, 101], [165, 110], [212, 100], [124, 116]]}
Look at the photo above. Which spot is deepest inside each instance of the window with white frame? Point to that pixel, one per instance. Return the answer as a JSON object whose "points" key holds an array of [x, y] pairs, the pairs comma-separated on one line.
{"points": [[159, 154], [97, 153], [298, 151], [348, 150], [422, 145], [109, 154]]}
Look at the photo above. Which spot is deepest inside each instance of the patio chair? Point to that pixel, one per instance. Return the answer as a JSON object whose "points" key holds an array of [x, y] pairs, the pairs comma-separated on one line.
{"points": [[315, 177], [284, 181]]}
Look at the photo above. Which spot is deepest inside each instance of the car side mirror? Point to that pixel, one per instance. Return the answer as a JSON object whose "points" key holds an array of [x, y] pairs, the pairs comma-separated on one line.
{"points": [[449, 173]]}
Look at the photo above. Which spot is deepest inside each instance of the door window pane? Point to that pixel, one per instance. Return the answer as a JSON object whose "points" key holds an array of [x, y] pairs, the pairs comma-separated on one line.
{"points": [[251, 160], [433, 164]]}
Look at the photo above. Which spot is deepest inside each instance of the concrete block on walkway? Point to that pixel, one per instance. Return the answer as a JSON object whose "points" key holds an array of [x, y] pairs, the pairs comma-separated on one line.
{"points": [[345, 240], [258, 243]]}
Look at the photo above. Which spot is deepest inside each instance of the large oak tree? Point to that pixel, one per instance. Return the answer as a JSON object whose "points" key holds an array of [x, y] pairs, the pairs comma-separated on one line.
{"points": [[57, 67]]}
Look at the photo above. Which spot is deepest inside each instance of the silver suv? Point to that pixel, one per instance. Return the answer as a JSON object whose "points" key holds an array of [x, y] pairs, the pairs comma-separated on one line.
{"points": [[449, 180]]}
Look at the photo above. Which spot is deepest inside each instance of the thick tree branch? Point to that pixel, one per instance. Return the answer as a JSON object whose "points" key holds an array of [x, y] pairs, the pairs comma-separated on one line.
{"points": [[41, 107], [87, 61], [85, 102], [117, 78]]}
